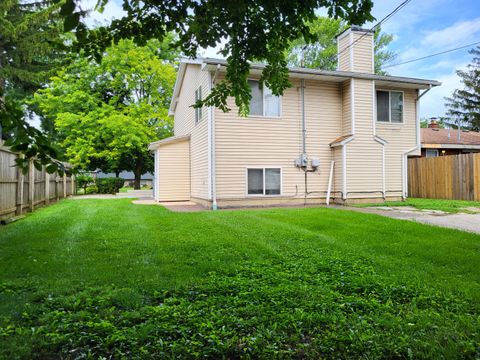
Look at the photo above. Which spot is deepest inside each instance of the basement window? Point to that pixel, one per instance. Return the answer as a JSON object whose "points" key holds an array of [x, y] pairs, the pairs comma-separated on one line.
{"points": [[264, 181], [390, 106], [198, 111], [263, 102], [431, 153]]}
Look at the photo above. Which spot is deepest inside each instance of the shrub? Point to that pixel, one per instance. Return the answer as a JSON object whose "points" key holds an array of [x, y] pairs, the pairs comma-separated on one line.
{"points": [[83, 180], [90, 190], [109, 185]]}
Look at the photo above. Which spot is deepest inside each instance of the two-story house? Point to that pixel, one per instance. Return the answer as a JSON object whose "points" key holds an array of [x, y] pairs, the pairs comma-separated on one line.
{"points": [[342, 135]]}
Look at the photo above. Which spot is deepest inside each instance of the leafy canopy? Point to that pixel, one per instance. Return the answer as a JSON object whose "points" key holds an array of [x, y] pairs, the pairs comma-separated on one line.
{"points": [[246, 30], [464, 104], [322, 53], [106, 114]]}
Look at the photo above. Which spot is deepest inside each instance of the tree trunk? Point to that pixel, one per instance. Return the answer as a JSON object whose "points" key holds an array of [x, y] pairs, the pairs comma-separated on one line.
{"points": [[117, 173], [138, 172]]}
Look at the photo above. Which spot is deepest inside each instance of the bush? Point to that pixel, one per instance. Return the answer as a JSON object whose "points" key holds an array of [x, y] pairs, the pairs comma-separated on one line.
{"points": [[109, 185], [83, 180], [90, 190]]}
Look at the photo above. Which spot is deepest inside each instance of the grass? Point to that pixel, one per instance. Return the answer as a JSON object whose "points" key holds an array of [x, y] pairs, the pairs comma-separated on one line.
{"points": [[125, 189], [449, 206], [93, 278]]}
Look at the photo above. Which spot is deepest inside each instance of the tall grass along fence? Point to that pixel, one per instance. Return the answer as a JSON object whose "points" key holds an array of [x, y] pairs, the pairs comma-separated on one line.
{"points": [[455, 177], [25, 192]]}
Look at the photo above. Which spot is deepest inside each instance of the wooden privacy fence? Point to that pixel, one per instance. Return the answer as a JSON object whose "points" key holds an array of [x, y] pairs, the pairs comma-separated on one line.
{"points": [[20, 193], [455, 177]]}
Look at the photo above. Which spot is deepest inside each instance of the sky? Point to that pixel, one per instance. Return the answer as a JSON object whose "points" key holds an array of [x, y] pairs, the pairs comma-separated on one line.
{"points": [[421, 28]]}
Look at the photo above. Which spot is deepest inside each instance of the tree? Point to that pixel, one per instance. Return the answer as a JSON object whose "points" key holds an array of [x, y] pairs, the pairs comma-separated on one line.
{"points": [[106, 114], [322, 53], [463, 107], [31, 50], [258, 30]]}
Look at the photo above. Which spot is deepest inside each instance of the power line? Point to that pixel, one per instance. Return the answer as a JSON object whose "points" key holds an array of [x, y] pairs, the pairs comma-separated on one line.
{"points": [[397, 9], [431, 55]]}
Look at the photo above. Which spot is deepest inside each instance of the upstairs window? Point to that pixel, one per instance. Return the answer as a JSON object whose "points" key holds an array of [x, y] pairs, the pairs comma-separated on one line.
{"points": [[263, 102], [198, 111], [390, 106], [264, 181]]}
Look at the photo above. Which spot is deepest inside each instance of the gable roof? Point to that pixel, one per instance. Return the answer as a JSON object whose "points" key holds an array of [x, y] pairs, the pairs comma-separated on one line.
{"points": [[449, 137]]}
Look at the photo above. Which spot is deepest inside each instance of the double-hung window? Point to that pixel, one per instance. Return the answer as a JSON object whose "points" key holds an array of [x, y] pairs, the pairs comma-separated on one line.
{"points": [[390, 106], [263, 102], [264, 181], [198, 111]]}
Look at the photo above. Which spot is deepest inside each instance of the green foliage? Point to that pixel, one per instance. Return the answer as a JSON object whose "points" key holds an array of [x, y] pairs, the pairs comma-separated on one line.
{"points": [[83, 180], [109, 278], [109, 185], [245, 30], [31, 49], [322, 52], [106, 114], [464, 104]]}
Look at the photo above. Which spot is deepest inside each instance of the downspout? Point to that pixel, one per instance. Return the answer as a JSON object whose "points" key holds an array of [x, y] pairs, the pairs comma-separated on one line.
{"points": [[211, 120], [304, 127]]}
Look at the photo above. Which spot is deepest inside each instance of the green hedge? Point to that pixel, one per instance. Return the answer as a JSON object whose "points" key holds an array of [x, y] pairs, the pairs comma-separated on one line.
{"points": [[109, 185]]}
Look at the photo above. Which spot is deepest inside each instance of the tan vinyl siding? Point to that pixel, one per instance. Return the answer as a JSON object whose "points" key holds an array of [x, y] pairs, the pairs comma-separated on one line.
{"points": [[276, 142], [199, 146], [362, 52], [174, 171], [346, 109], [343, 53], [401, 138], [364, 154], [184, 118]]}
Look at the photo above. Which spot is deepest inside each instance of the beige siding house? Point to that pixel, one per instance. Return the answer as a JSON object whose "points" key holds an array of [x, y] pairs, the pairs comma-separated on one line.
{"points": [[341, 136]]}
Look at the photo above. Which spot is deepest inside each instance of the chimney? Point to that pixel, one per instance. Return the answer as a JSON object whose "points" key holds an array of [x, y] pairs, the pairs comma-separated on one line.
{"points": [[355, 50], [433, 124]]}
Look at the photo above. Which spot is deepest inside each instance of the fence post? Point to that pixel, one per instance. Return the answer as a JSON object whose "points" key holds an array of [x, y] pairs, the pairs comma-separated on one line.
{"points": [[64, 185], [56, 186], [72, 184], [31, 184], [47, 187], [19, 197]]}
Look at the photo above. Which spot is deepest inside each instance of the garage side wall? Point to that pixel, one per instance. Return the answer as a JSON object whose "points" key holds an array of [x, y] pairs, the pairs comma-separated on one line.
{"points": [[173, 174]]}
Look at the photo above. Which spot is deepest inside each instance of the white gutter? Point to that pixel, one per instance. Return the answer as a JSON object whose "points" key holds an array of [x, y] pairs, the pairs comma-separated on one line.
{"points": [[344, 172], [211, 145], [352, 103]]}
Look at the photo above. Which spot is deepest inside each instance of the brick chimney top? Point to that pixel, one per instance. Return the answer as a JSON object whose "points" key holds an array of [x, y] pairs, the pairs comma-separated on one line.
{"points": [[433, 124]]}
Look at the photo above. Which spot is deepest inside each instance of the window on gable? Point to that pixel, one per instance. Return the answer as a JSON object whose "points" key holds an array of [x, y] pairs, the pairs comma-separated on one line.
{"points": [[390, 106], [198, 111], [263, 102], [264, 181]]}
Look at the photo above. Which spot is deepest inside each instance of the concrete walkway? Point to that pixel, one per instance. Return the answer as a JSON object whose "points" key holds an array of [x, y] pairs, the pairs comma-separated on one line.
{"points": [[460, 221]]}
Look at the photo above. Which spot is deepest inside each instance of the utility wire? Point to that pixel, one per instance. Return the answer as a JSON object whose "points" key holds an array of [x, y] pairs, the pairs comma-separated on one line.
{"points": [[397, 9], [431, 55]]}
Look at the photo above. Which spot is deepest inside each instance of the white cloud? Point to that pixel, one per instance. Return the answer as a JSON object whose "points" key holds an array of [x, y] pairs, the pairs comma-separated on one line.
{"points": [[462, 32], [112, 11], [433, 103]]}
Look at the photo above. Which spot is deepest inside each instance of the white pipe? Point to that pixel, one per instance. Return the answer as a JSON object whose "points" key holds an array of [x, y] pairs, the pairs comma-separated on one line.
{"points": [[212, 151], [330, 178], [344, 171]]}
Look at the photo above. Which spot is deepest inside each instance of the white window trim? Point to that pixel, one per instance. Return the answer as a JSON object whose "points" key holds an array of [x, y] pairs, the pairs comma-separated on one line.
{"points": [[436, 152], [263, 168], [263, 103], [390, 108]]}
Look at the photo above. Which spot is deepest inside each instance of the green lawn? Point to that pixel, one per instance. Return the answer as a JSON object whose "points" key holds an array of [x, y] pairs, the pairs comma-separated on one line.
{"points": [[93, 278], [449, 206]]}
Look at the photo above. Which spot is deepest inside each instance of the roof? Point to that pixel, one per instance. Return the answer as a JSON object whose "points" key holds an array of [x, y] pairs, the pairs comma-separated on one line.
{"points": [[342, 140], [172, 139], [211, 64], [449, 138]]}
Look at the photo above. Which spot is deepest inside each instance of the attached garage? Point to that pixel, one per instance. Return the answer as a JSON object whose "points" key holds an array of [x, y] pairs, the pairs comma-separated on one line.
{"points": [[172, 169]]}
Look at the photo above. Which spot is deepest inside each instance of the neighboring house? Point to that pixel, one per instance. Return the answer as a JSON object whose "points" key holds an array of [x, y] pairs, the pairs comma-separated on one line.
{"points": [[365, 124], [440, 142], [128, 176]]}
